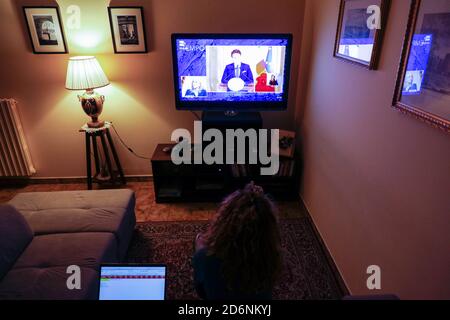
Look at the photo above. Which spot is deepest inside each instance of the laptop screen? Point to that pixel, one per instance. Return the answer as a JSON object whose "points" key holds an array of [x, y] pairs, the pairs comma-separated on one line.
{"points": [[132, 282]]}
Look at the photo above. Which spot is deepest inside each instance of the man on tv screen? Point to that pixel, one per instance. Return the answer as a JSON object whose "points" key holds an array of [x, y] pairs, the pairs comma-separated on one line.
{"points": [[227, 70], [237, 69]]}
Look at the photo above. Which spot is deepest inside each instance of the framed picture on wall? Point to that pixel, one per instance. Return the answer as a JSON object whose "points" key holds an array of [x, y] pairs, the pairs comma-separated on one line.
{"points": [[360, 31], [45, 29], [287, 143], [423, 81], [128, 29]]}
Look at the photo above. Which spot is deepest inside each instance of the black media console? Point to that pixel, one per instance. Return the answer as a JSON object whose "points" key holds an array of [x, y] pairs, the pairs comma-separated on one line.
{"points": [[205, 183]]}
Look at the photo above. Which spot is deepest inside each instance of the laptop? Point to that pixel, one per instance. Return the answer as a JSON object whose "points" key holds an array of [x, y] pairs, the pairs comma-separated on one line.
{"points": [[132, 282]]}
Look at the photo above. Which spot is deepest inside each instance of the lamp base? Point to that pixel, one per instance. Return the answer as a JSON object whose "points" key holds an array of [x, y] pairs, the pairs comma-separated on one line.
{"points": [[92, 104], [95, 124]]}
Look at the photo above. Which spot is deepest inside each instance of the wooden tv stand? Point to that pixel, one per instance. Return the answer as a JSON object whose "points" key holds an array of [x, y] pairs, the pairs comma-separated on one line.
{"points": [[206, 183]]}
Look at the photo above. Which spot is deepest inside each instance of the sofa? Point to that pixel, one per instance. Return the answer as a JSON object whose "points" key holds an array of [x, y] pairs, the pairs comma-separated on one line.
{"points": [[43, 233]]}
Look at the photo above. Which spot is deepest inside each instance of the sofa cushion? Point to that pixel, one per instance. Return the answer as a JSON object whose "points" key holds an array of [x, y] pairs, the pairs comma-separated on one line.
{"points": [[62, 250], [80, 211], [85, 199], [47, 283], [15, 236]]}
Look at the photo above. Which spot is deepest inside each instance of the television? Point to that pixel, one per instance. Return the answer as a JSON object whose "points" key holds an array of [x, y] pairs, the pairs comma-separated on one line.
{"points": [[231, 72]]}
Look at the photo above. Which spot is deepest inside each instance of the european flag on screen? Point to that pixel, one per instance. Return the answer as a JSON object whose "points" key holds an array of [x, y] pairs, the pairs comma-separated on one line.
{"points": [[265, 66], [269, 60]]}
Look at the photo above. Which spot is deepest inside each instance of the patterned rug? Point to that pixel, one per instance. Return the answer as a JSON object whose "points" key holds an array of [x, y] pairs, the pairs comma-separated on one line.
{"points": [[306, 273]]}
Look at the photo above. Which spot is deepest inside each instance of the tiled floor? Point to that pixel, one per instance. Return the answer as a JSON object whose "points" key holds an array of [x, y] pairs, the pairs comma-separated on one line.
{"points": [[148, 210]]}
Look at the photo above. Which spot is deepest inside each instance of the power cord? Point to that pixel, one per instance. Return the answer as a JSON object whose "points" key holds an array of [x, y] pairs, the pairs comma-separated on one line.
{"points": [[196, 115], [126, 146], [131, 150]]}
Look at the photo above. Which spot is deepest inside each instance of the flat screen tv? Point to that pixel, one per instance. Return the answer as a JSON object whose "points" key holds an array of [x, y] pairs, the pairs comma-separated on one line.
{"points": [[231, 72]]}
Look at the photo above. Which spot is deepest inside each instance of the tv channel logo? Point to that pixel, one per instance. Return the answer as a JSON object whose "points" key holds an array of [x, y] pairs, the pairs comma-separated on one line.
{"points": [[184, 46]]}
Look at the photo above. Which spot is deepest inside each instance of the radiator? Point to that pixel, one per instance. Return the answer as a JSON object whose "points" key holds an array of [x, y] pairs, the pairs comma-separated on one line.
{"points": [[15, 158]]}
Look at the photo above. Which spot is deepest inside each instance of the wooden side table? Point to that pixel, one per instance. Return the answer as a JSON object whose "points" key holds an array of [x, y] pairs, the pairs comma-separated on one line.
{"points": [[91, 134]]}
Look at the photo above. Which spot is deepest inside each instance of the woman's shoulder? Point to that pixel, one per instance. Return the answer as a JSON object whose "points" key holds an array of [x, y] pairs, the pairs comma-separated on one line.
{"points": [[204, 256], [201, 252]]}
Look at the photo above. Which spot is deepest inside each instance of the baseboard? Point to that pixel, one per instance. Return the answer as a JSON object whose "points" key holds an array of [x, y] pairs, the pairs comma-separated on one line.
{"points": [[14, 182], [337, 274]]}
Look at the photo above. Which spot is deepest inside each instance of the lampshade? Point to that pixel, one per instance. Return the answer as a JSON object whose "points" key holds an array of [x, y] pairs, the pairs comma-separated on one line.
{"points": [[85, 73]]}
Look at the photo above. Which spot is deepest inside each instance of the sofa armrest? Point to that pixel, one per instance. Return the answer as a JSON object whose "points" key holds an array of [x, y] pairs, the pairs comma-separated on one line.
{"points": [[15, 233]]}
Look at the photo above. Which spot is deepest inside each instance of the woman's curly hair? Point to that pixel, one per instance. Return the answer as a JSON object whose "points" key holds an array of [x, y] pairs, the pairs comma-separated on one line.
{"points": [[245, 236]]}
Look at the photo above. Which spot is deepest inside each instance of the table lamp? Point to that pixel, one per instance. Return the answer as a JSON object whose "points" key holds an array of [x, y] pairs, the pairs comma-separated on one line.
{"points": [[85, 73]]}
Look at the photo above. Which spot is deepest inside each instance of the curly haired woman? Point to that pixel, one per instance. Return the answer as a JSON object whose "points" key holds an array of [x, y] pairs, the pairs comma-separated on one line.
{"points": [[239, 256]]}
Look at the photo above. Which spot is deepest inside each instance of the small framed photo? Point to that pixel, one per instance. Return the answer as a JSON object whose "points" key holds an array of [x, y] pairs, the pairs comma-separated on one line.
{"points": [[287, 143], [360, 31], [45, 29], [128, 29], [423, 80]]}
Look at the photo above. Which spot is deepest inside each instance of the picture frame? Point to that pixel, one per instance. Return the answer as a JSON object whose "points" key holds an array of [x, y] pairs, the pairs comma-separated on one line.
{"points": [[128, 29], [423, 81], [287, 143], [355, 42], [45, 29]]}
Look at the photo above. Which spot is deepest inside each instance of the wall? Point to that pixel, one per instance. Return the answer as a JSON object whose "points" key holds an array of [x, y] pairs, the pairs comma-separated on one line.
{"points": [[376, 182], [140, 99]]}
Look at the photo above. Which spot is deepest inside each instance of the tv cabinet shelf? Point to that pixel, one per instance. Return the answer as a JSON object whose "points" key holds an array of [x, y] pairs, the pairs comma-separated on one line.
{"points": [[206, 183]]}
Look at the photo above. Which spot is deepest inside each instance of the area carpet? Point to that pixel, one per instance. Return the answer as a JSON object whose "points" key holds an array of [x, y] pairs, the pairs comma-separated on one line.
{"points": [[306, 273]]}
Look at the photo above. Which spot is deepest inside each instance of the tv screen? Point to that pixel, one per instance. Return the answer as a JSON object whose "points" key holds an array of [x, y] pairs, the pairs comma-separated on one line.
{"points": [[231, 71]]}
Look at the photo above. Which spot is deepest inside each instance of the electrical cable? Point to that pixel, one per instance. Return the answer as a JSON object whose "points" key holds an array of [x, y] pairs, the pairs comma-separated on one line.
{"points": [[126, 146], [196, 115]]}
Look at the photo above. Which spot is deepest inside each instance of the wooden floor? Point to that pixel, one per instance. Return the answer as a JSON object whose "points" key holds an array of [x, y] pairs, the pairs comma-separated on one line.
{"points": [[147, 209]]}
